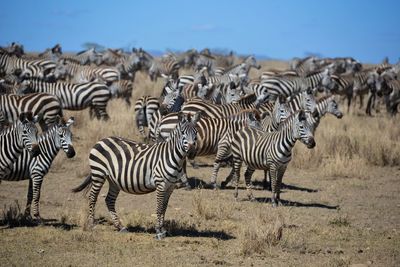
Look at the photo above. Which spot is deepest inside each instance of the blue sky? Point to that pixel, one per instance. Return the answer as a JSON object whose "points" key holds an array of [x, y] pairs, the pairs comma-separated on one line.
{"points": [[366, 30]]}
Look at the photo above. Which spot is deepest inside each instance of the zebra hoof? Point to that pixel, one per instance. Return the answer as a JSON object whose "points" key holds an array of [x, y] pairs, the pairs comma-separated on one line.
{"points": [[214, 186], [160, 235], [223, 185], [124, 230]]}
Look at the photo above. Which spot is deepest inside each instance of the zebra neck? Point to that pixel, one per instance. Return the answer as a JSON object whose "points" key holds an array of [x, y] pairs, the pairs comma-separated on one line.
{"points": [[175, 147], [49, 144], [322, 108], [10, 138]]}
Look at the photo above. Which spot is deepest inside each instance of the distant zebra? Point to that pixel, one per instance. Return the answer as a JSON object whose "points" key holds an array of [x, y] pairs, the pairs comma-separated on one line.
{"points": [[122, 89], [243, 69], [73, 71], [269, 151], [9, 64], [145, 106], [327, 104], [139, 169], [22, 134], [287, 86], [85, 57], [165, 67], [46, 105], [34, 169], [74, 96], [221, 111]]}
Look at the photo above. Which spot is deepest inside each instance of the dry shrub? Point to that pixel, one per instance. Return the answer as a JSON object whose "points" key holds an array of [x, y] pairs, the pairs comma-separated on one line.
{"points": [[13, 217], [210, 209], [137, 219], [260, 234]]}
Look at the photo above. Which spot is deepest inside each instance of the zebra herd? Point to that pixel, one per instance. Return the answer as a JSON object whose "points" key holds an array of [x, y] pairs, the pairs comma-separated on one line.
{"points": [[216, 109]]}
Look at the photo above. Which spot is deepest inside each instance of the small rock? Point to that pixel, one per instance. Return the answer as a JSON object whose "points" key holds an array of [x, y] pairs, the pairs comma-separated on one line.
{"points": [[360, 251], [40, 251], [369, 262]]}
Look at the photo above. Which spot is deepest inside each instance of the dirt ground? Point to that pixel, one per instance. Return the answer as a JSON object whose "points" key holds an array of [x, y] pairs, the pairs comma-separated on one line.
{"points": [[327, 220]]}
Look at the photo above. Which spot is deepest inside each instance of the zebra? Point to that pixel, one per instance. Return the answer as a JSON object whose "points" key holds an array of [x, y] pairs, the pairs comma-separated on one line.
{"points": [[9, 63], [22, 134], [46, 105], [85, 57], [145, 106], [73, 71], [302, 100], [73, 96], [165, 67], [34, 169], [122, 89], [220, 111], [288, 86], [139, 169], [3, 121], [243, 69], [269, 151]]}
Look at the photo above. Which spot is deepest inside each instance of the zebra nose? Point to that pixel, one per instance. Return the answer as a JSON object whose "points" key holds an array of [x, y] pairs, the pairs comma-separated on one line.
{"points": [[71, 151], [340, 115], [311, 143], [35, 150]]}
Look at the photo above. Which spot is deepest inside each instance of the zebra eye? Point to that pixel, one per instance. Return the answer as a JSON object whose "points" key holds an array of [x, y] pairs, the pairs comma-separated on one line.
{"points": [[25, 131]]}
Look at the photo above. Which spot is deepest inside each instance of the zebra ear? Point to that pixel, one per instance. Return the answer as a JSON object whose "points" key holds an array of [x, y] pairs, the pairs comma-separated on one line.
{"points": [[309, 91], [22, 116], [196, 117], [36, 118], [302, 115], [58, 119], [70, 121], [315, 114]]}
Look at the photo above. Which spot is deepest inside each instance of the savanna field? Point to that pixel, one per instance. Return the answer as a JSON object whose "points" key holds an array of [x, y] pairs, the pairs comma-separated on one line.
{"points": [[342, 202]]}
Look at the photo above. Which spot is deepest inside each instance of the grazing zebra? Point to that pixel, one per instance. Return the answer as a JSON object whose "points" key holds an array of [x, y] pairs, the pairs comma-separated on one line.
{"points": [[73, 71], [9, 63], [34, 169], [287, 86], [46, 105], [139, 169], [243, 69], [269, 151], [145, 106], [122, 89], [74, 96], [22, 134], [165, 67], [220, 111]]}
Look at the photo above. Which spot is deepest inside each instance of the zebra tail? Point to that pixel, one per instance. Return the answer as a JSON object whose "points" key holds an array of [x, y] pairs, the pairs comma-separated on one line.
{"points": [[85, 185]]}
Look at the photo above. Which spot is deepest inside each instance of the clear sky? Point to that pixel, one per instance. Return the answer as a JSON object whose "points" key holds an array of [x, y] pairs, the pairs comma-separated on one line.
{"points": [[367, 30]]}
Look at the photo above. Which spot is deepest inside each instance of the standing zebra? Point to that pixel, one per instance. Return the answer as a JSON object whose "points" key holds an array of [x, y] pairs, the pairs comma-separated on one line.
{"points": [[165, 67], [47, 105], [74, 96], [13, 139], [34, 169], [269, 151], [139, 169]]}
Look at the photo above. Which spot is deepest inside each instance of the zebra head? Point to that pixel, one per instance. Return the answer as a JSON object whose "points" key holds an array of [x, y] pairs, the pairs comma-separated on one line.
{"points": [[252, 62], [61, 70], [303, 129], [187, 128], [307, 100], [333, 107], [65, 136], [28, 132], [281, 110], [262, 98], [327, 80], [173, 100], [233, 94]]}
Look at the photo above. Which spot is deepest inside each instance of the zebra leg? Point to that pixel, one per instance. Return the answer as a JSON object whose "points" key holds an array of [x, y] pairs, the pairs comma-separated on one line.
{"points": [[112, 195], [274, 174], [236, 175], [184, 177], [249, 186], [267, 181], [100, 111], [27, 212], [97, 184], [164, 191], [37, 179], [280, 173]]}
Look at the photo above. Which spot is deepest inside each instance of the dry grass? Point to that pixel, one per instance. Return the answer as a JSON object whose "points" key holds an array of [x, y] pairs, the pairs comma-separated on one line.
{"points": [[345, 220]]}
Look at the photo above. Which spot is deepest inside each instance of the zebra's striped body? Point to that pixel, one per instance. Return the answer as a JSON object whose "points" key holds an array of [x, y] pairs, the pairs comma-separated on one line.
{"points": [[269, 151], [145, 107], [84, 57], [304, 100], [74, 96], [166, 67], [139, 169], [21, 135], [47, 105], [35, 168], [220, 111], [74, 72]]}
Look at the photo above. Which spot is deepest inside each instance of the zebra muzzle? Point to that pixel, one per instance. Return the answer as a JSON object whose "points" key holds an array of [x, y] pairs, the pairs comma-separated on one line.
{"points": [[311, 143], [35, 150], [71, 151]]}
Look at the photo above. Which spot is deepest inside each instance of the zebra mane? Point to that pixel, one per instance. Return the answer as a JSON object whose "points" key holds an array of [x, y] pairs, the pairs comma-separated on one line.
{"points": [[71, 60], [257, 114], [313, 73], [289, 120], [83, 51], [323, 98], [247, 99]]}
